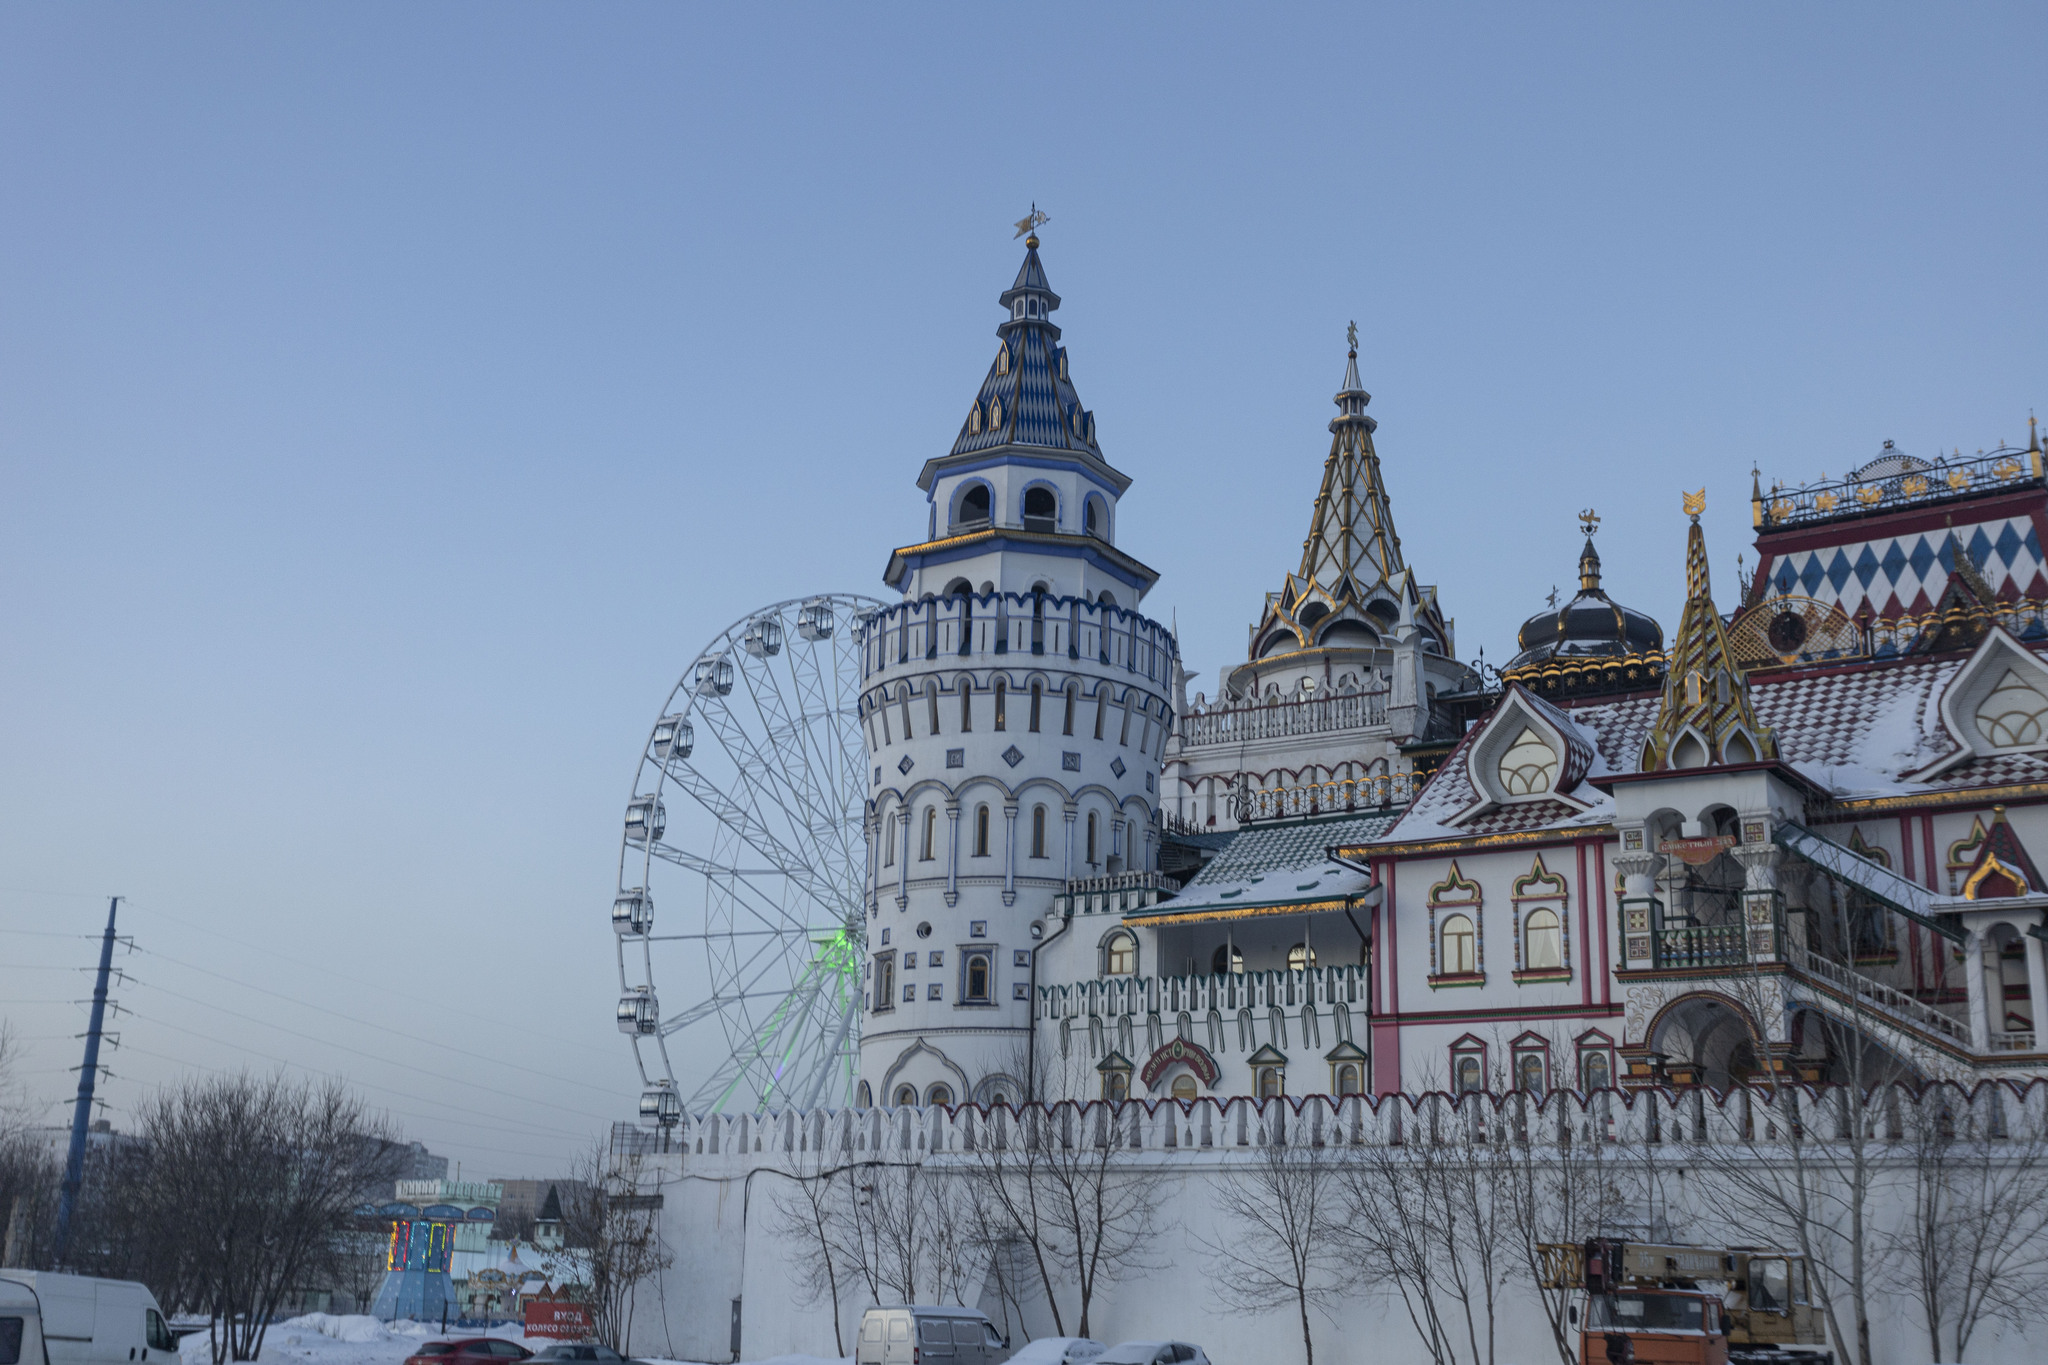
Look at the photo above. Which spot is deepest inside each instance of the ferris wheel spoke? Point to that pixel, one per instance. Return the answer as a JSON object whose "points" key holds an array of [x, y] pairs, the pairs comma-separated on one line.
{"points": [[772, 930]]}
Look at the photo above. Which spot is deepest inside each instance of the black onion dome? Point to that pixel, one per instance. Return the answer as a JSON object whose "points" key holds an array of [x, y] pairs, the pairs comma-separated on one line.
{"points": [[1591, 625]]}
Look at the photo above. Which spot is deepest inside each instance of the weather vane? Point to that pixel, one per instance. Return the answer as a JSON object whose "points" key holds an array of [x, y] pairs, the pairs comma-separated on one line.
{"points": [[1351, 335], [1695, 503], [1553, 595], [1031, 221], [1589, 521]]}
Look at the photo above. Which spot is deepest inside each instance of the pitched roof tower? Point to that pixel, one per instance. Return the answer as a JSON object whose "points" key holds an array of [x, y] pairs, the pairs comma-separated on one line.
{"points": [[1706, 718], [1353, 586]]}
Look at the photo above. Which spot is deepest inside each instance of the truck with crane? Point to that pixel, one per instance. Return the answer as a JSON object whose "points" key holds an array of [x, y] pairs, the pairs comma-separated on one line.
{"points": [[1688, 1305]]}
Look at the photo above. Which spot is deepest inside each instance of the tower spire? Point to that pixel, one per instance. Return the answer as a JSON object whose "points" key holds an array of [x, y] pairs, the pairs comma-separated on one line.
{"points": [[1351, 540], [1706, 718]]}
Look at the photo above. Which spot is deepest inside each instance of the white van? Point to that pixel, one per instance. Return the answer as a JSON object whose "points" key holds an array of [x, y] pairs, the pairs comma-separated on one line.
{"points": [[917, 1334], [88, 1321], [21, 1326]]}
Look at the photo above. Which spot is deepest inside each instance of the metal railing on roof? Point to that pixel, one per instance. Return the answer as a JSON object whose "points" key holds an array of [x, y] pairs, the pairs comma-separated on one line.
{"points": [[1963, 476]]}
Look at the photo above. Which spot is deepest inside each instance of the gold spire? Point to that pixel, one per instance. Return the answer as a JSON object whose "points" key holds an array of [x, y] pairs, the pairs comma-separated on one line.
{"points": [[1706, 719]]}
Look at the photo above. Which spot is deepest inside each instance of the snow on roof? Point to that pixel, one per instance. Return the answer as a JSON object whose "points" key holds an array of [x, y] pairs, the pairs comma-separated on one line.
{"points": [[1276, 865]]}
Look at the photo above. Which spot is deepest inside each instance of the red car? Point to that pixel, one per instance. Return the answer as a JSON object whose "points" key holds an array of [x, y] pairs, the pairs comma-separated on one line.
{"points": [[468, 1351]]}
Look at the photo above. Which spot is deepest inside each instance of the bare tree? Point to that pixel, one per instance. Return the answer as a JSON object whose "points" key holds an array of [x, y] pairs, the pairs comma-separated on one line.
{"points": [[1973, 1245], [29, 1174], [1422, 1217], [1277, 1249], [238, 1194], [810, 1216], [612, 1217], [1554, 1182]]}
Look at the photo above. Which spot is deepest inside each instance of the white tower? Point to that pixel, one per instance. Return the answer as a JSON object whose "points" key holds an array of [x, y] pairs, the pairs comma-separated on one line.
{"points": [[1016, 707]]}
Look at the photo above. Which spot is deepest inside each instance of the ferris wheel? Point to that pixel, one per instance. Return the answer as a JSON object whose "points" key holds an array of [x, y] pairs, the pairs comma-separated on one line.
{"points": [[741, 868]]}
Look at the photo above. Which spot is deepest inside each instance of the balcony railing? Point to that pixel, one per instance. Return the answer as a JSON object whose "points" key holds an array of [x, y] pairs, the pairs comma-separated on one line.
{"points": [[1166, 996], [1944, 479], [1273, 720], [1015, 623], [1251, 804], [1115, 894], [2022, 1041], [1701, 945]]}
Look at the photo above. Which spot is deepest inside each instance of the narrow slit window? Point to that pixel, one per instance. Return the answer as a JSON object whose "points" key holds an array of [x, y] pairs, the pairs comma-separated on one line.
{"points": [[981, 831], [1002, 703], [931, 833], [1038, 831], [1090, 859], [966, 705], [1101, 706], [1037, 696], [1068, 728]]}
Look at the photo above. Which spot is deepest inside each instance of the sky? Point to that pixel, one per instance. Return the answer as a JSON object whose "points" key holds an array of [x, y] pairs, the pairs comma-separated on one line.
{"points": [[394, 399]]}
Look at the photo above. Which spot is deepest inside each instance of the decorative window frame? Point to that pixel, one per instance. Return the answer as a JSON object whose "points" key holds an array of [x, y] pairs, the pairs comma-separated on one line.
{"points": [[1102, 953], [1456, 894], [1962, 854], [1590, 1043], [1470, 1045], [1503, 730], [1530, 1044], [970, 953], [1541, 889]]}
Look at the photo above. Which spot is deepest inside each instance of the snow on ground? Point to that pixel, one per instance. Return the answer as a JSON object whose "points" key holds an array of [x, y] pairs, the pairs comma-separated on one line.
{"points": [[355, 1339]]}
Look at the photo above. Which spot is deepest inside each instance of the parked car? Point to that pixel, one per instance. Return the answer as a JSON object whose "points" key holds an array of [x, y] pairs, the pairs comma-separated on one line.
{"points": [[468, 1351], [590, 1351], [89, 1321], [1058, 1351], [918, 1334], [1152, 1353]]}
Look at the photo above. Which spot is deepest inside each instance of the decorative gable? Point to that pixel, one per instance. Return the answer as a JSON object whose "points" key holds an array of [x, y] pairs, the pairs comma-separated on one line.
{"points": [[2002, 867], [1526, 751], [1996, 703]]}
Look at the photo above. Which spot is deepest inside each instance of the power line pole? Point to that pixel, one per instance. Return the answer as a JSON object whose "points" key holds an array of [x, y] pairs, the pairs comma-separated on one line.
{"points": [[81, 1117]]}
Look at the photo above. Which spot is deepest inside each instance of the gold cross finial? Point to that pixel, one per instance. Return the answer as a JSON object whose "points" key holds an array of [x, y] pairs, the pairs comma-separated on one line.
{"points": [[1030, 223], [1351, 335], [1590, 521], [1695, 503]]}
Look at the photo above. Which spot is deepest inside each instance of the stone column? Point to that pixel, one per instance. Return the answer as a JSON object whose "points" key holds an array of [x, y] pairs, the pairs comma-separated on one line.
{"points": [[1009, 853], [1068, 813], [1638, 870], [1759, 909], [952, 850], [2037, 985], [1973, 977]]}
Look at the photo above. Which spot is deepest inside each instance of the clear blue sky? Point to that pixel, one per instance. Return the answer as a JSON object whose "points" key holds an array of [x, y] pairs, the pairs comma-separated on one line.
{"points": [[393, 398]]}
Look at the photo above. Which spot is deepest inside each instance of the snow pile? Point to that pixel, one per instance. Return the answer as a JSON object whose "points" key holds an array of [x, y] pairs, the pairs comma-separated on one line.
{"points": [[346, 1339]]}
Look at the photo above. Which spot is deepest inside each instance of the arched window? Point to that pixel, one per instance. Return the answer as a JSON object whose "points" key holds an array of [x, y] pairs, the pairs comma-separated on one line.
{"points": [[1301, 957], [889, 840], [1090, 859], [1073, 689], [995, 412], [1002, 704], [1041, 509], [975, 987], [939, 1095], [981, 831], [974, 503], [974, 420], [1037, 696], [931, 696], [1272, 1082], [1227, 960], [1529, 1073], [1466, 1074], [1542, 943], [1101, 706], [906, 1095], [1528, 766], [1002, 360], [1106, 598], [1091, 516], [1184, 1088], [1120, 954], [931, 834], [1593, 1070], [863, 1096], [2011, 715], [1347, 1079], [1460, 947], [1116, 1084], [960, 587], [966, 705], [1038, 831]]}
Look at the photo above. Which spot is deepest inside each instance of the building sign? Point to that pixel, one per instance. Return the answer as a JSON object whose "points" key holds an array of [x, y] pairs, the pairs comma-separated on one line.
{"points": [[1697, 852], [558, 1319], [1181, 1050]]}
